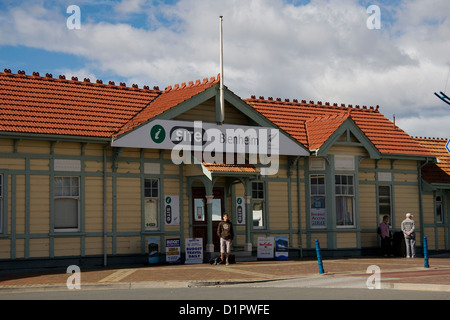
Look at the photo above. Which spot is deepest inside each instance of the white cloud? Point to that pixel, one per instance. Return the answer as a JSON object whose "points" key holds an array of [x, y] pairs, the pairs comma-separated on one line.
{"points": [[319, 51]]}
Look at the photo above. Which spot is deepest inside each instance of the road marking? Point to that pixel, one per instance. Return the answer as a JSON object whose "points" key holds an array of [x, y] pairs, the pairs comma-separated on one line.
{"points": [[250, 273], [118, 275]]}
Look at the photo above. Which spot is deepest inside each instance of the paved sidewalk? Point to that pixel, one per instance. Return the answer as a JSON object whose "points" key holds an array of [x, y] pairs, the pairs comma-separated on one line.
{"points": [[395, 273]]}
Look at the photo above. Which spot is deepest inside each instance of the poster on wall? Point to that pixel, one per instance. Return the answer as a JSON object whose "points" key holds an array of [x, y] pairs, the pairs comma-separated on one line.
{"points": [[281, 247], [240, 210], [318, 212], [171, 210], [153, 251], [173, 251], [194, 251], [265, 248]]}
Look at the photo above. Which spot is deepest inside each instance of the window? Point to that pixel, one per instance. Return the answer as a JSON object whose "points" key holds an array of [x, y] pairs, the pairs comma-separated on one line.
{"points": [[317, 194], [258, 204], [151, 194], [66, 192], [344, 200], [439, 208], [384, 200], [217, 210]]}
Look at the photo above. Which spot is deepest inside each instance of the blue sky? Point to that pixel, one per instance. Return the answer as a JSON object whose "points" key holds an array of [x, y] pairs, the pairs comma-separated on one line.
{"points": [[316, 50]]}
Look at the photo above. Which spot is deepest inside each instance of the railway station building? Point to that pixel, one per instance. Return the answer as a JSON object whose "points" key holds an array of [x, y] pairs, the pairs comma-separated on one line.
{"points": [[89, 171]]}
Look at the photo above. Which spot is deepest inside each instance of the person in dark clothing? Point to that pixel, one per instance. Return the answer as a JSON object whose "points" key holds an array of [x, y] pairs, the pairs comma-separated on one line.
{"points": [[385, 235], [225, 233]]}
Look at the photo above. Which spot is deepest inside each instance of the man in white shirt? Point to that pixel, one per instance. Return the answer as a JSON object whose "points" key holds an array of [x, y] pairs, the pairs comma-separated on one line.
{"points": [[408, 228]]}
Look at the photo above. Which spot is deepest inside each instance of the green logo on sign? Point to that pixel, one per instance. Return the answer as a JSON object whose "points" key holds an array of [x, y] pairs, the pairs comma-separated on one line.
{"points": [[157, 133], [239, 200], [168, 200]]}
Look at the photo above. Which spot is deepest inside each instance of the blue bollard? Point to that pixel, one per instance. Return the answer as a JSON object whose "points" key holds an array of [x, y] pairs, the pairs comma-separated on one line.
{"points": [[425, 252], [319, 256]]}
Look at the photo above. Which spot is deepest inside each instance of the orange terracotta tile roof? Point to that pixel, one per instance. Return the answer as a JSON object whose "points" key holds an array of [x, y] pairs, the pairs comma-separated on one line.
{"points": [[45, 105], [307, 122], [231, 168], [58, 106], [319, 129], [436, 172], [171, 97]]}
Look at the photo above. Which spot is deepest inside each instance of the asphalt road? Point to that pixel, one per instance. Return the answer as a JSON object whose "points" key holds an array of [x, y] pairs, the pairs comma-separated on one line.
{"points": [[231, 292]]}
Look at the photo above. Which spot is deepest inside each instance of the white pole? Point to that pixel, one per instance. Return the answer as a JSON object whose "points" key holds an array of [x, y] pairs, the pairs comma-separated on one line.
{"points": [[222, 100]]}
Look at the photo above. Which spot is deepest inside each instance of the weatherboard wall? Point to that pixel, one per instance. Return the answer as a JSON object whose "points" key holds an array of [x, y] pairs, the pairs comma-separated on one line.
{"points": [[27, 168]]}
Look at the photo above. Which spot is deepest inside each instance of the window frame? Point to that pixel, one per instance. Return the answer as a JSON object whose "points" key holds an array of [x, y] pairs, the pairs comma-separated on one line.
{"points": [[439, 203], [2, 188], [257, 199], [76, 197], [380, 213], [149, 197], [352, 196], [317, 195]]}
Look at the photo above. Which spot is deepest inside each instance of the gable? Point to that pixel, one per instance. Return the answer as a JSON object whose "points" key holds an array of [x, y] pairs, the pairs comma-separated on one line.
{"points": [[349, 134], [170, 110], [292, 117], [436, 172], [206, 111]]}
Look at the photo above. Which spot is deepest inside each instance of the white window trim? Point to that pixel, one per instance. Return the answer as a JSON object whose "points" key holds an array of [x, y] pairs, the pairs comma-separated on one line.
{"points": [[353, 196], [310, 198], [442, 208], [158, 203], [68, 197], [263, 201]]}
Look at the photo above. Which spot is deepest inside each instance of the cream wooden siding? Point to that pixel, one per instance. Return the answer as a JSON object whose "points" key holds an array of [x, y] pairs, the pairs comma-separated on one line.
{"points": [[347, 150], [39, 204], [67, 148], [128, 245], [128, 204], [367, 206], [294, 207], [428, 208], [207, 113], [5, 248], [278, 205], [93, 204], [40, 147], [40, 248], [67, 246], [322, 237], [346, 240], [12, 163], [441, 238], [367, 164], [94, 245], [20, 203], [406, 200]]}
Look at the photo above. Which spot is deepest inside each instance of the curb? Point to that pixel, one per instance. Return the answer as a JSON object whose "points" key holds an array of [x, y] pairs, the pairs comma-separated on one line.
{"points": [[198, 284], [416, 287]]}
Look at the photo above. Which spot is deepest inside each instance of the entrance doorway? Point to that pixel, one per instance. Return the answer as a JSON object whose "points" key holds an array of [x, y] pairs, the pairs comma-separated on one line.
{"points": [[201, 216]]}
